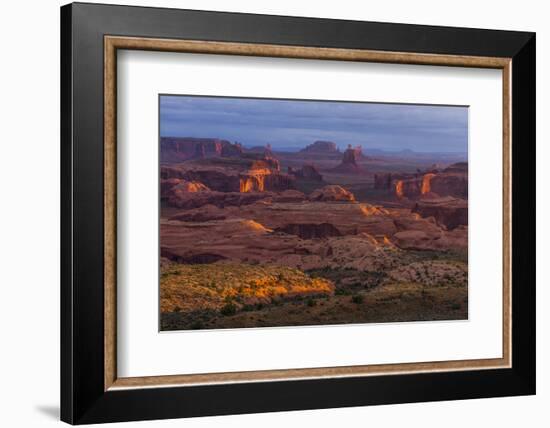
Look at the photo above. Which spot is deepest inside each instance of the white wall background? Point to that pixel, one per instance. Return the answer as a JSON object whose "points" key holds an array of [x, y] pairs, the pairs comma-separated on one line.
{"points": [[29, 213]]}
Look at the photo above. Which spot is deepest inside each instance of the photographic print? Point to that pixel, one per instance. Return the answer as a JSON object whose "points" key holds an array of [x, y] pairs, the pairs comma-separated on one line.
{"points": [[287, 212]]}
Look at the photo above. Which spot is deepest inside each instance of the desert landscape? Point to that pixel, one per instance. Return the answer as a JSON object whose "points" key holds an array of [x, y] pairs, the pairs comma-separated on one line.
{"points": [[327, 233]]}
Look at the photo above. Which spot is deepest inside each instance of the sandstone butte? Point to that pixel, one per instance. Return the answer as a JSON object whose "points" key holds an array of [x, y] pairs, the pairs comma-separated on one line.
{"points": [[244, 209], [349, 164], [321, 147]]}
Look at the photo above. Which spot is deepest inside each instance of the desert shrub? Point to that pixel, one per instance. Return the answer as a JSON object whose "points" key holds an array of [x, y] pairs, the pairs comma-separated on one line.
{"points": [[196, 325], [311, 302], [228, 309], [357, 299]]}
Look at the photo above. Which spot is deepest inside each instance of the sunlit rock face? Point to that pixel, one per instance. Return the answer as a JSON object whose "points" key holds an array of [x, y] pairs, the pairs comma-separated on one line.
{"points": [[252, 183], [452, 181], [244, 174], [332, 193], [426, 180], [410, 188], [265, 180], [399, 189]]}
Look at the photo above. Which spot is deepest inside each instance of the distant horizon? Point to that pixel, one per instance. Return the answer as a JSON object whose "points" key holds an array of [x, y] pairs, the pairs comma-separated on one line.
{"points": [[291, 125], [298, 148]]}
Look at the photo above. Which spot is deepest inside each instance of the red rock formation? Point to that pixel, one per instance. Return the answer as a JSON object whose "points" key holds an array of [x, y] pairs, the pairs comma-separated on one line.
{"points": [[289, 196], [215, 178], [232, 150], [450, 184], [224, 175], [188, 200], [177, 149], [448, 211], [426, 180], [278, 182], [173, 190], [200, 151], [321, 147], [460, 167], [409, 188], [308, 172], [453, 181], [268, 153], [167, 184], [310, 230], [331, 193], [399, 189], [260, 180], [349, 162], [246, 234], [383, 181], [358, 152]]}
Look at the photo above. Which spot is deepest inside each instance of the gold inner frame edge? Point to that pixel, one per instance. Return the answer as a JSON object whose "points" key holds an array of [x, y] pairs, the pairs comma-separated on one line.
{"points": [[113, 43]]}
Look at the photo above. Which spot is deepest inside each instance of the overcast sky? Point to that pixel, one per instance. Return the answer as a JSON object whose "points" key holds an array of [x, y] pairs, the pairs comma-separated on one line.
{"points": [[295, 124]]}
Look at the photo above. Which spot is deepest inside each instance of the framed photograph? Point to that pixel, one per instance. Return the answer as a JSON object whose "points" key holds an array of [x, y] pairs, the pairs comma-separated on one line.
{"points": [[266, 213]]}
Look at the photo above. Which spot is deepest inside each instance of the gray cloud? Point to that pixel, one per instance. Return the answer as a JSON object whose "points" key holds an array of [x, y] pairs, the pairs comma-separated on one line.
{"points": [[296, 123]]}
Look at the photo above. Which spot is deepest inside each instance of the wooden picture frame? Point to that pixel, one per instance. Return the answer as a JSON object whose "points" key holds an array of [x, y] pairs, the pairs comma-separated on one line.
{"points": [[91, 390]]}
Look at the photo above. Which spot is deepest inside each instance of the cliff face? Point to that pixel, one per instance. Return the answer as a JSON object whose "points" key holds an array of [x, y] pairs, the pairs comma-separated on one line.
{"points": [[265, 180], [308, 172], [349, 162], [310, 230], [448, 211], [332, 192], [177, 149], [229, 175], [321, 147], [232, 150], [452, 181]]}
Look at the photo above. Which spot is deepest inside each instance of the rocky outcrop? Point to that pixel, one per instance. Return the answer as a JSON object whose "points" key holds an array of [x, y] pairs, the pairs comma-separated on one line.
{"points": [[216, 179], [289, 196], [190, 200], [459, 167], [174, 188], [450, 184], [453, 181], [177, 149], [167, 184], [420, 240], [201, 258], [307, 172], [200, 151], [320, 147], [264, 180], [332, 193], [310, 230], [232, 175], [448, 211], [349, 163], [232, 150]]}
